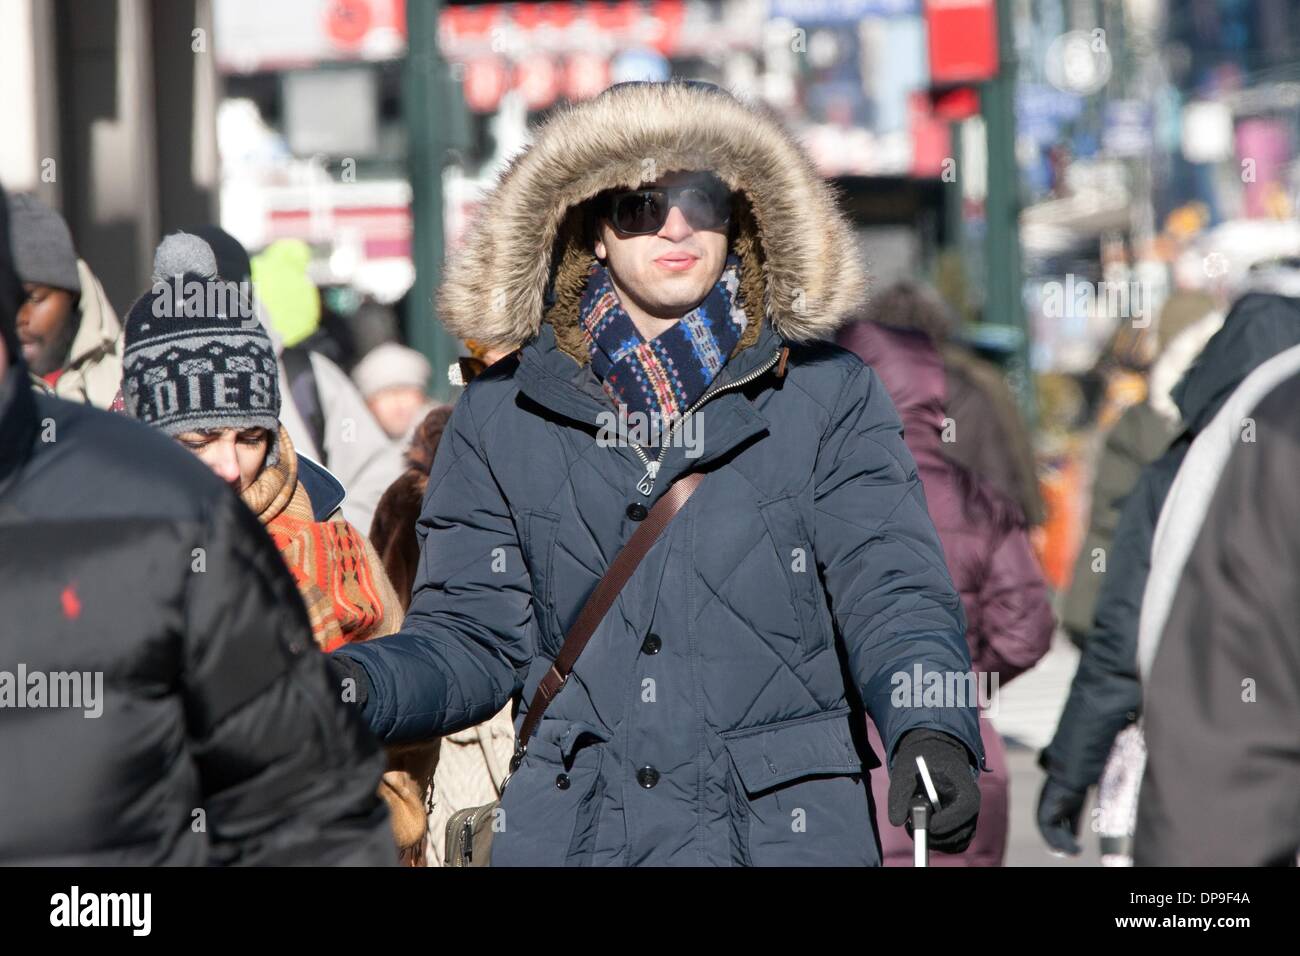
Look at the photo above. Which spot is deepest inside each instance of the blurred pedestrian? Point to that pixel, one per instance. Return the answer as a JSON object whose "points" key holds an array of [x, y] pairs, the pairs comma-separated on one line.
{"points": [[198, 728], [985, 539], [990, 437], [1221, 666], [713, 700], [1141, 435], [1105, 698], [70, 336], [394, 381]]}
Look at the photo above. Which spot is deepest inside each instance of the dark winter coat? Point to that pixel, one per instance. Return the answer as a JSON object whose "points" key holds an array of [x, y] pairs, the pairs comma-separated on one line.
{"points": [[714, 717], [1009, 619], [220, 739], [1106, 695], [1222, 717]]}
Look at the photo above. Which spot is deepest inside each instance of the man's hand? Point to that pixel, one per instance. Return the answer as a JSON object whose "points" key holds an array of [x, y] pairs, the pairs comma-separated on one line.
{"points": [[1059, 809], [953, 825]]}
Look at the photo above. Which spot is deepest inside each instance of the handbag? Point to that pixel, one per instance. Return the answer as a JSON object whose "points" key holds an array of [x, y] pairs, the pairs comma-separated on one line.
{"points": [[469, 831]]}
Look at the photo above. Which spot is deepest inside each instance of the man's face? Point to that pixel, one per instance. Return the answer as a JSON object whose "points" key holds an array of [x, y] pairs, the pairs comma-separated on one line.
{"points": [[669, 272], [235, 455], [46, 325]]}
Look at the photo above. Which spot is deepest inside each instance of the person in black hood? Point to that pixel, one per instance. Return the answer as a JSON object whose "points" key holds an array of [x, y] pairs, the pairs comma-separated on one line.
{"points": [[180, 714], [1106, 694]]}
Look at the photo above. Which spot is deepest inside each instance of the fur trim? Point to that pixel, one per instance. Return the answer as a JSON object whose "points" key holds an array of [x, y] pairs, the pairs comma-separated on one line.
{"points": [[797, 250]]}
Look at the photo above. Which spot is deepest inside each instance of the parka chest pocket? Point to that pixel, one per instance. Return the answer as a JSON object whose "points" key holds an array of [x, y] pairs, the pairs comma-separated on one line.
{"points": [[793, 540], [537, 532]]}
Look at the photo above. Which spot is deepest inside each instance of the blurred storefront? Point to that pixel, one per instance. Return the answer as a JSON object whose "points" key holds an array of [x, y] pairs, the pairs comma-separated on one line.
{"points": [[315, 140], [109, 117]]}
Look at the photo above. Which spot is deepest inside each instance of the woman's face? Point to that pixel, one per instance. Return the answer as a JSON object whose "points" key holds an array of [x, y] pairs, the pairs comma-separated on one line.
{"points": [[236, 455]]}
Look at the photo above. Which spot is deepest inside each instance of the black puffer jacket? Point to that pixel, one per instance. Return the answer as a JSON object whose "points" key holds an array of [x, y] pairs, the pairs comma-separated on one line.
{"points": [[219, 739], [1106, 695]]}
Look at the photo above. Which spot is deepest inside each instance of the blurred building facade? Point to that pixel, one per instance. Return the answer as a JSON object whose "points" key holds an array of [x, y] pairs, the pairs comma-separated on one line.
{"points": [[110, 117]]}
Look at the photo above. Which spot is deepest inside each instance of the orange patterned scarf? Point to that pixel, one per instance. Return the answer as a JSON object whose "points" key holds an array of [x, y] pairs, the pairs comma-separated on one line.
{"points": [[341, 579]]}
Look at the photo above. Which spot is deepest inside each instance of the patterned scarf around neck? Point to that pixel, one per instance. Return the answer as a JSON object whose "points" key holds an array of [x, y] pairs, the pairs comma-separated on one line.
{"points": [[671, 371]]}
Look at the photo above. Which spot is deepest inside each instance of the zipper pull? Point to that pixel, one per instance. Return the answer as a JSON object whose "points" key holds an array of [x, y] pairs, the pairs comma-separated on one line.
{"points": [[647, 482]]}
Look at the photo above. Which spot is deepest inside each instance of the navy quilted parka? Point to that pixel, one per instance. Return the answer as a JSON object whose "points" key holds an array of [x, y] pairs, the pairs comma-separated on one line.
{"points": [[713, 718]]}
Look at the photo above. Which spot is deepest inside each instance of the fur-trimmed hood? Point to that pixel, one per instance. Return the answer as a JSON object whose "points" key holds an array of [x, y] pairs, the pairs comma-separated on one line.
{"points": [[525, 260]]}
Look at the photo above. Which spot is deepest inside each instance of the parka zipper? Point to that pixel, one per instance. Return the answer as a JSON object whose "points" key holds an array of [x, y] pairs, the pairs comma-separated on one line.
{"points": [[647, 483]]}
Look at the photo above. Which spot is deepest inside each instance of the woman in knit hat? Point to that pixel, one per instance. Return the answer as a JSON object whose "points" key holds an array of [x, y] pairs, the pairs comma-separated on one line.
{"points": [[199, 365]]}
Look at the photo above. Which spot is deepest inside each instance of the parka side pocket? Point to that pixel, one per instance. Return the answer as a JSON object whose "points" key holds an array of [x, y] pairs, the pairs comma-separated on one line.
{"points": [[537, 530], [794, 549], [551, 810], [799, 795]]}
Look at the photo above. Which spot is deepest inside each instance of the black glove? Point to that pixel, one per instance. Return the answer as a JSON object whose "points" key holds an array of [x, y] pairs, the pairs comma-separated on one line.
{"points": [[344, 668], [953, 826], [1059, 809]]}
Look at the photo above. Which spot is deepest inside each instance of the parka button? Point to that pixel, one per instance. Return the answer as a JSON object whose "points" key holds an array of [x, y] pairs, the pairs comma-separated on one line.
{"points": [[647, 776], [651, 644], [562, 781], [637, 511]]}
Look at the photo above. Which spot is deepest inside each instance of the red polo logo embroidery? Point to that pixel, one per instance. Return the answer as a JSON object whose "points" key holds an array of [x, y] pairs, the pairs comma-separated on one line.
{"points": [[71, 603]]}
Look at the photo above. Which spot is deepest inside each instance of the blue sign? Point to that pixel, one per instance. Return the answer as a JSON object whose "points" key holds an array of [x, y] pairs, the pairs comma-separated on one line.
{"points": [[841, 11], [1127, 128]]}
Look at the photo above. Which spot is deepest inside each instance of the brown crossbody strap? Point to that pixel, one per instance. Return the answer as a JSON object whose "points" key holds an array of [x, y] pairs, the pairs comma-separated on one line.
{"points": [[601, 600]]}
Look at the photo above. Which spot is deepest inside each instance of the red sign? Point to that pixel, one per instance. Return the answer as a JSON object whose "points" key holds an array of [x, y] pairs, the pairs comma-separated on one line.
{"points": [[536, 78], [586, 75], [963, 37], [485, 84], [955, 103], [347, 21], [931, 139]]}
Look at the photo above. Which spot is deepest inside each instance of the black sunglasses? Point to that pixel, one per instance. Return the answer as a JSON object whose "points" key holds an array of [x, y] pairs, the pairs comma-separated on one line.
{"points": [[643, 212]]}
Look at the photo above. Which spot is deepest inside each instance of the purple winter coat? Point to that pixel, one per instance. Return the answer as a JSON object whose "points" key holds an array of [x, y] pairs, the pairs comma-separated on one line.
{"points": [[1009, 619]]}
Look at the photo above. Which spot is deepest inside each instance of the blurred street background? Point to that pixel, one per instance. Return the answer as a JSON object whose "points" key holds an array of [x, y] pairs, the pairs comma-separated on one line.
{"points": [[1056, 169]]}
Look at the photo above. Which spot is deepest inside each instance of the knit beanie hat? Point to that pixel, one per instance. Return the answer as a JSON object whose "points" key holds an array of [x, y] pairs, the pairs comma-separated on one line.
{"points": [[193, 359], [391, 365], [233, 263], [291, 299], [42, 246]]}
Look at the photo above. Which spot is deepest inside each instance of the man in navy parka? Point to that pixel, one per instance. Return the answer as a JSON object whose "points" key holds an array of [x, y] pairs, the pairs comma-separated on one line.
{"points": [[657, 248]]}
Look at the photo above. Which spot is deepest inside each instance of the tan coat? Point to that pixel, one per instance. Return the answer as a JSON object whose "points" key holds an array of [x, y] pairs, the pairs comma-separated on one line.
{"points": [[93, 372]]}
